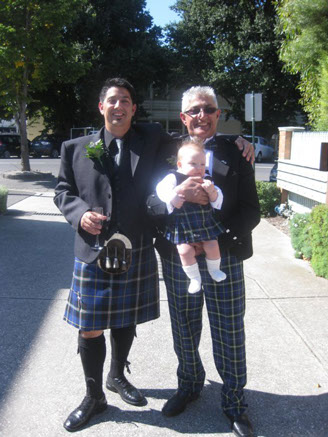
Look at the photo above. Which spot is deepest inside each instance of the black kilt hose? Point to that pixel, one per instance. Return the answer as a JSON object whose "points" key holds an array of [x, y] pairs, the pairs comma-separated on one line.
{"points": [[98, 300]]}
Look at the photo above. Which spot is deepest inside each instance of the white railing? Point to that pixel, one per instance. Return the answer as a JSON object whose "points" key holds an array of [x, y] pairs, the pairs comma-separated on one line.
{"points": [[306, 148]]}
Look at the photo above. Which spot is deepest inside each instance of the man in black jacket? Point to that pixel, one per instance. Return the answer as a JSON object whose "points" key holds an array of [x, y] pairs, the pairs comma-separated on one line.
{"points": [[117, 178], [225, 300]]}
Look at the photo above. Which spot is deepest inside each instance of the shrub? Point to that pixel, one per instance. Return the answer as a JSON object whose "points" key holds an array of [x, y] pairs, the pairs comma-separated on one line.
{"points": [[319, 240], [3, 199], [269, 196], [299, 231]]}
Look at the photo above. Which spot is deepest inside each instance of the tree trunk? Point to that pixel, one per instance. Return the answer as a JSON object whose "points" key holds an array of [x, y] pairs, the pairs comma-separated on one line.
{"points": [[25, 160]]}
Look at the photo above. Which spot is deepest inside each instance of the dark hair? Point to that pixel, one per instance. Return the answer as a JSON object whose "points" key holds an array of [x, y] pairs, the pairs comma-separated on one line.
{"points": [[119, 83]]}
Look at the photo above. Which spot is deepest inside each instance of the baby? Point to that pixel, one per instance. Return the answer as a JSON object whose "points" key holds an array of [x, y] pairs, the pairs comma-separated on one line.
{"points": [[190, 222]]}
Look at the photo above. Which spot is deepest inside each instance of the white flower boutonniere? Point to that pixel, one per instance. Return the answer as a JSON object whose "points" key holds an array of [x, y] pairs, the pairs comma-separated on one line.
{"points": [[95, 150]]}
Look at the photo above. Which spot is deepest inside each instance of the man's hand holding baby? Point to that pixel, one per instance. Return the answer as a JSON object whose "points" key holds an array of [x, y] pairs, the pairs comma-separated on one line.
{"points": [[192, 191], [178, 200]]}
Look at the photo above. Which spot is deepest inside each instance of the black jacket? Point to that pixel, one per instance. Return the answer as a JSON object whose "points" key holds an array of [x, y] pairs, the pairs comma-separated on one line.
{"points": [[84, 183], [240, 211]]}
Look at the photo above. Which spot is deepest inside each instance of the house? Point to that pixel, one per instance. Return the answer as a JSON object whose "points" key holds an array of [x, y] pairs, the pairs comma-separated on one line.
{"points": [[164, 106], [303, 168]]}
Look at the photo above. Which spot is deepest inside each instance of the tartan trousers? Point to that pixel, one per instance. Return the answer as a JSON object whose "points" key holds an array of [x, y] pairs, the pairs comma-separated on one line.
{"points": [[225, 302]]}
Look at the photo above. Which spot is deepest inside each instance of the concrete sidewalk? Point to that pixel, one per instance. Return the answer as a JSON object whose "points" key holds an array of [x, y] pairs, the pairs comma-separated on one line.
{"points": [[41, 378]]}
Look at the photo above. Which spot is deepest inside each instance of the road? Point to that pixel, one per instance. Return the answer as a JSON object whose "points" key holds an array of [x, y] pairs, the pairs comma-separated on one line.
{"points": [[19, 189], [262, 171], [42, 164]]}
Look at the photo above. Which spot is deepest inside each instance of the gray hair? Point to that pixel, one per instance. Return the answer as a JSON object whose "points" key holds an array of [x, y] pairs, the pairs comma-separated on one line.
{"points": [[197, 91]]}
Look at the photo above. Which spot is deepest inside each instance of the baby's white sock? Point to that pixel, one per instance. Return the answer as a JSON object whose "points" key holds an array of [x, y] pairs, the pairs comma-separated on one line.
{"points": [[213, 267], [195, 279]]}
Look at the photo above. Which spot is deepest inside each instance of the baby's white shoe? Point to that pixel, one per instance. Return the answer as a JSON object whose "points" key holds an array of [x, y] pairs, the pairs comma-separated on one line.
{"points": [[194, 286], [213, 267], [217, 275], [195, 279]]}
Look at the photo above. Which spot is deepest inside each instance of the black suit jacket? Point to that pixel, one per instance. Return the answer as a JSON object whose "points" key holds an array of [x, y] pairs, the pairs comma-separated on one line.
{"points": [[84, 183], [240, 211]]}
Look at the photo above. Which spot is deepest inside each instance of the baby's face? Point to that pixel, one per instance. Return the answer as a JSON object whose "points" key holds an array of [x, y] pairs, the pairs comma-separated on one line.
{"points": [[192, 163]]}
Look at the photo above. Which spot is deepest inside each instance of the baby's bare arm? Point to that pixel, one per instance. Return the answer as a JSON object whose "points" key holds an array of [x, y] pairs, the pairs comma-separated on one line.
{"points": [[210, 190]]}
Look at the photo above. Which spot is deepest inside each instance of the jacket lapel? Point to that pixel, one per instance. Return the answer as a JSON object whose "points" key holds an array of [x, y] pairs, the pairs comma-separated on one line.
{"points": [[136, 144]]}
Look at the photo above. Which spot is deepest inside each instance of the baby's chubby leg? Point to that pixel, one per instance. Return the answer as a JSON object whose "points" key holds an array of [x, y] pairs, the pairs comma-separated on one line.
{"points": [[190, 266], [187, 254], [213, 260], [212, 249]]}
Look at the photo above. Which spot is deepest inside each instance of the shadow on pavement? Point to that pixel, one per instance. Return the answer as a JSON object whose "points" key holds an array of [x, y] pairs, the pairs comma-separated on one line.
{"points": [[272, 415], [36, 261]]}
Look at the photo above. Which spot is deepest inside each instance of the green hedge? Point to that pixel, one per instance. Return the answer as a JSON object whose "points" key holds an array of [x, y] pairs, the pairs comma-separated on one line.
{"points": [[319, 240], [309, 237], [299, 233], [269, 197], [3, 199]]}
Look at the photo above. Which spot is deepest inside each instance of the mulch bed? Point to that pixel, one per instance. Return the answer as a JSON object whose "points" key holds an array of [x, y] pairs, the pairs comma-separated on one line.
{"points": [[280, 223]]}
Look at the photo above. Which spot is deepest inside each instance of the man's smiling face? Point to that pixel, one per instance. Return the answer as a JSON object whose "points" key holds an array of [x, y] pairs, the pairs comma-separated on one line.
{"points": [[201, 125], [118, 110]]}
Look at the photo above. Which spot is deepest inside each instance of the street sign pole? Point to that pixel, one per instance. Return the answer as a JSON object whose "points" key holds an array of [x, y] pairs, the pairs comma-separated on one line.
{"points": [[253, 112], [253, 124]]}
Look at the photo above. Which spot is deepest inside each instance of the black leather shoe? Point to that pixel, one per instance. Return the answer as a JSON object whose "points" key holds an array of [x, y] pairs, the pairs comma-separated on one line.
{"points": [[83, 413], [126, 390], [178, 402], [241, 425]]}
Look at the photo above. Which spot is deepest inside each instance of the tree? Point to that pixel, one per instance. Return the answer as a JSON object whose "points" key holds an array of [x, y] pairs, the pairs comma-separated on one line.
{"points": [[33, 53], [118, 39], [304, 26], [232, 46]]}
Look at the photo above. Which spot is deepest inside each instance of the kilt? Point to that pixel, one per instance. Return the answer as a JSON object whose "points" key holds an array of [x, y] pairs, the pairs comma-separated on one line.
{"points": [[225, 302], [98, 300], [192, 223]]}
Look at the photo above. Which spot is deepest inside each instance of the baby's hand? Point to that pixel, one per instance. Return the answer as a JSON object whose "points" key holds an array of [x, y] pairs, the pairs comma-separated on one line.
{"points": [[178, 201], [210, 190]]}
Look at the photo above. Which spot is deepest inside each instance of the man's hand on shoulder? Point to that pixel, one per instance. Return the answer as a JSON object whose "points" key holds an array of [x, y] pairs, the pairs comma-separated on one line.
{"points": [[193, 191], [247, 148]]}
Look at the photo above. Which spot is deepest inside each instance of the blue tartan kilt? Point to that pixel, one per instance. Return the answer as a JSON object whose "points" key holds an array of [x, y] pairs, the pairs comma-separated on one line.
{"points": [[98, 300], [192, 223]]}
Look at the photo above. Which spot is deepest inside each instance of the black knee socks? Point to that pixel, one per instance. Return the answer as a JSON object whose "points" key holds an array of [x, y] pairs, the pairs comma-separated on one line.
{"points": [[93, 353], [121, 341]]}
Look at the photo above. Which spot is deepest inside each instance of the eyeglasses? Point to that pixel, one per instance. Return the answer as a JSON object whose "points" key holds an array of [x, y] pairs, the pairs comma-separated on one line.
{"points": [[196, 110]]}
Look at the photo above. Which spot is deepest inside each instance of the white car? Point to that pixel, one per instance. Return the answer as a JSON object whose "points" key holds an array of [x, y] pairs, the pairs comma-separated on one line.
{"points": [[263, 150]]}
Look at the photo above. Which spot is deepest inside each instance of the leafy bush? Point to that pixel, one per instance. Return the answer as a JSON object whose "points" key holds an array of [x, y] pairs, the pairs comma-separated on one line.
{"points": [[319, 240], [269, 196], [3, 199], [299, 230], [309, 238]]}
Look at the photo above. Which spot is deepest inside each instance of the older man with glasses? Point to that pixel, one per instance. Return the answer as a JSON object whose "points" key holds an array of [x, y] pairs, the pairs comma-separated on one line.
{"points": [[225, 300]]}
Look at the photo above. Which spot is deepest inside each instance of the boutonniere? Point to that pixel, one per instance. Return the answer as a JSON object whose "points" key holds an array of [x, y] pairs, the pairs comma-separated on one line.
{"points": [[172, 160], [95, 150]]}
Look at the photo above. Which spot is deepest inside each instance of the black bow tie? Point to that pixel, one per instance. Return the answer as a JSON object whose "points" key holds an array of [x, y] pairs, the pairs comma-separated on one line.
{"points": [[211, 144]]}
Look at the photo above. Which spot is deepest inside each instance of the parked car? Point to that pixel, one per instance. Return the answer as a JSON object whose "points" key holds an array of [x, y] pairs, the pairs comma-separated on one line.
{"points": [[273, 173], [46, 144], [10, 144], [263, 150]]}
